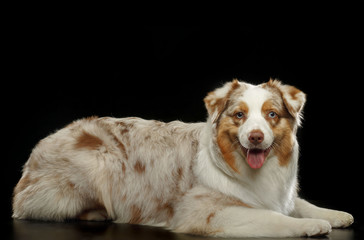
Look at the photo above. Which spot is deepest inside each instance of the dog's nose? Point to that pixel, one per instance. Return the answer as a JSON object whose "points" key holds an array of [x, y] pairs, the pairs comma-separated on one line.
{"points": [[256, 137]]}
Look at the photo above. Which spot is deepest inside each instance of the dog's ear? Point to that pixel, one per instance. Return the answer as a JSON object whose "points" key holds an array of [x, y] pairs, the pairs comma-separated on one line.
{"points": [[217, 100], [293, 98]]}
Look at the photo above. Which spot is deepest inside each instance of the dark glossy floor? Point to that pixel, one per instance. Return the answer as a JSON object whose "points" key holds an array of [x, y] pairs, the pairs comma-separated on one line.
{"points": [[29, 230]]}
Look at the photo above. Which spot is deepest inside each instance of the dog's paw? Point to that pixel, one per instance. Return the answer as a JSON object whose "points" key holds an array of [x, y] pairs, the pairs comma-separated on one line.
{"points": [[314, 227], [339, 219]]}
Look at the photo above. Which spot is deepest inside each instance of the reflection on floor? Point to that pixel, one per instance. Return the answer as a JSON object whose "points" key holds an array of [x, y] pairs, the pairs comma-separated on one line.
{"points": [[107, 230]]}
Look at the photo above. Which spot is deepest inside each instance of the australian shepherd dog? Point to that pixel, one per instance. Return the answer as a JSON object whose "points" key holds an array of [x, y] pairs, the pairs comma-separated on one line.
{"points": [[234, 175]]}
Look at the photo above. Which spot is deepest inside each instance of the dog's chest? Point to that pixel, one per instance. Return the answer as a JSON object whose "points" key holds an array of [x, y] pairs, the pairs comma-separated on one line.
{"points": [[271, 187]]}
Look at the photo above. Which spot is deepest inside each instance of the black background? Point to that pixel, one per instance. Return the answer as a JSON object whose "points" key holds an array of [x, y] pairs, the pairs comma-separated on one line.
{"points": [[59, 72]]}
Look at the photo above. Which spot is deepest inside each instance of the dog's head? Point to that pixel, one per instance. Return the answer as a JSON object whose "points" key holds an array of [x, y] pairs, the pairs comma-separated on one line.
{"points": [[251, 122]]}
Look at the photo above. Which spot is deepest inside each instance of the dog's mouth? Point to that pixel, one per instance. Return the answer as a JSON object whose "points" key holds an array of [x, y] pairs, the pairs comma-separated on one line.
{"points": [[255, 156]]}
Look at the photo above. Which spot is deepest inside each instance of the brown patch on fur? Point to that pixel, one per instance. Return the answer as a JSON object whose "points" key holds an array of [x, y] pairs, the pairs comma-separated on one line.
{"points": [[274, 83], [243, 107], [226, 140], [283, 141], [124, 127], [64, 160], [118, 143], [209, 217], [121, 146], [123, 197], [169, 209], [235, 84], [227, 152], [139, 167], [34, 180], [166, 207], [267, 108], [179, 174], [213, 103], [136, 215], [89, 141], [222, 200], [276, 105], [123, 167], [201, 196], [284, 90], [109, 130], [124, 131], [23, 183], [70, 184], [91, 118], [33, 163], [236, 202], [293, 92]]}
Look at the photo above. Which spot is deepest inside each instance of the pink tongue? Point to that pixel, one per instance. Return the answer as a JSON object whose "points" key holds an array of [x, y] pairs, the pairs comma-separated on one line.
{"points": [[255, 158]]}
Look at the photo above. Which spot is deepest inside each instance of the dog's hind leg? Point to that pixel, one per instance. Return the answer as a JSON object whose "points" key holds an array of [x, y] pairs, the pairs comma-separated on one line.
{"points": [[46, 199], [52, 199]]}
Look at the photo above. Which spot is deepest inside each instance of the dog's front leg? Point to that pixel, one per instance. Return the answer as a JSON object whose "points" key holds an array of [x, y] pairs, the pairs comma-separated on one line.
{"points": [[245, 222], [337, 219], [209, 213]]}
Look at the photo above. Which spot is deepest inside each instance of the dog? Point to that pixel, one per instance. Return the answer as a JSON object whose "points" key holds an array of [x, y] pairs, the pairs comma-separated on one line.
{"points": [[234, 175]]}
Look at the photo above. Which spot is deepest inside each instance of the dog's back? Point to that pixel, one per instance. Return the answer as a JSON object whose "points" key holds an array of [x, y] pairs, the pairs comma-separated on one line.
{"points": [[129, 170]]}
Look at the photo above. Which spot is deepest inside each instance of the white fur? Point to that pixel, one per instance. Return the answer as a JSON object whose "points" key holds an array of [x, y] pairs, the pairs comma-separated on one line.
{"points": [[255, 120], [132, 170]]}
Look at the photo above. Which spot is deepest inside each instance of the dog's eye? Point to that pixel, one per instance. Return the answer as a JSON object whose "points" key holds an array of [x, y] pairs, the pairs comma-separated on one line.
{"points": [[239, 115], [272, 114]]}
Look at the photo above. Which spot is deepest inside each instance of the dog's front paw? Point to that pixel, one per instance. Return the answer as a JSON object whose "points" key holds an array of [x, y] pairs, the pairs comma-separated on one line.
{"points": [[315, 227], [339, 219]]}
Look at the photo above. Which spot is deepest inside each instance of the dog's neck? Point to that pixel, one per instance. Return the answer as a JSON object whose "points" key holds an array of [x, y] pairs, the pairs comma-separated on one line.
{"points": [[250, 185]]}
